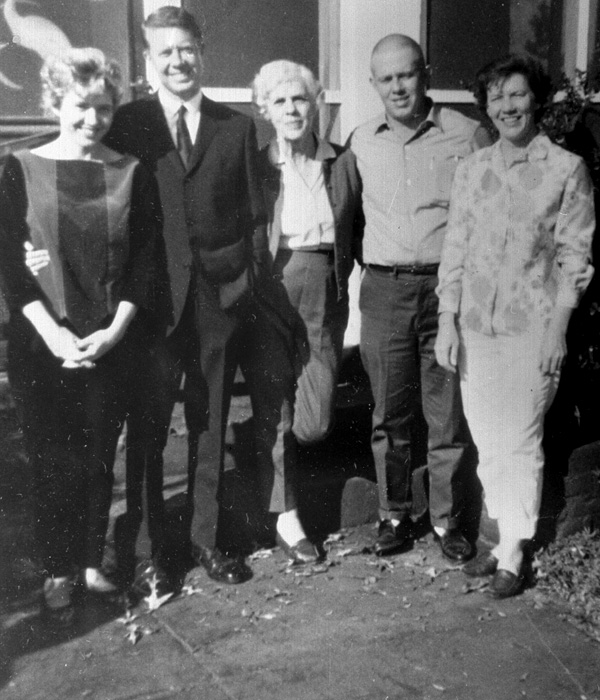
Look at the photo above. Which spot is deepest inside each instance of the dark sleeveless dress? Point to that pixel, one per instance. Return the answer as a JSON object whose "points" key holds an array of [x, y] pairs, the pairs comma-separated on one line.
{"points": [[99, 222]]}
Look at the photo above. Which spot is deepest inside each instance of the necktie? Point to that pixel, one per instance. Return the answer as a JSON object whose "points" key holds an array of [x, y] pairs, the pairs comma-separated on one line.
{"points": [[184, 141]]}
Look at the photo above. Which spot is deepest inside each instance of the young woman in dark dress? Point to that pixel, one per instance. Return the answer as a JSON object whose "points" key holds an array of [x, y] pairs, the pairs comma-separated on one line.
{"points": [[78, 348]]}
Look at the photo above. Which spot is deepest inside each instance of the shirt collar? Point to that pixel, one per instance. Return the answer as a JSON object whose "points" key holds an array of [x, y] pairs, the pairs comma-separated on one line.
{"points": [[171, 104], [432, 119], [324, 151], [537, 149]]}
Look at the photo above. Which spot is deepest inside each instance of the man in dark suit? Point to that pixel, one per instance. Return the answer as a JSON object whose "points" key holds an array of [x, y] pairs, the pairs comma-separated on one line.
{"points": [[203, 155]]}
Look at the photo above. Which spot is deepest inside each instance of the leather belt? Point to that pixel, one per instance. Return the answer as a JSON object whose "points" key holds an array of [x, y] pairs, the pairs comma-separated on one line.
{"points": [[405, 269]]}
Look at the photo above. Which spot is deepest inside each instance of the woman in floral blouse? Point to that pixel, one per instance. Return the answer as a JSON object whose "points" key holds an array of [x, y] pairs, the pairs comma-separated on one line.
{"points": [[515, 263]]}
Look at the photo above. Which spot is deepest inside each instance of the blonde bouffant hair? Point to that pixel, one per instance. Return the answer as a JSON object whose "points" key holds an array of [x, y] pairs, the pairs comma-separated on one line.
{"points": [[87, 67]]}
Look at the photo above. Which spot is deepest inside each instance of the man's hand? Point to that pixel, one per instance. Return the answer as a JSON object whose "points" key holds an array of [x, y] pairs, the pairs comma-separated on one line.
{"points": [[447, 342], [35, 260]]}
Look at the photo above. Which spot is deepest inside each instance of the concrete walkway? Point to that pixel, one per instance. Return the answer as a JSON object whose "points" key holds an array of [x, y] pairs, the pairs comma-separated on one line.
{"points": [[354, 627], [357, 627]]}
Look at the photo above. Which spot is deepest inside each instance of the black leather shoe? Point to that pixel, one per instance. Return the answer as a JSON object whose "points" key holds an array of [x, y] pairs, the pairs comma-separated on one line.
{"points": [[303, 552], [505, 584], [149, 575], [454, 545], [392, 538], [223, 568], [484, 564]]}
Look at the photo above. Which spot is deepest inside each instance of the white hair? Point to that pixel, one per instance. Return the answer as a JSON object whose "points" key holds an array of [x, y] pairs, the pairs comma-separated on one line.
{"points": [[277, 72]]}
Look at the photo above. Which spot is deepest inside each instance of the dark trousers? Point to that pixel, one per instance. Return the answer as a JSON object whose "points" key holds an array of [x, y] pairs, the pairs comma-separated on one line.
{"points": [[207, 347], [398, 330], [71, 421]]}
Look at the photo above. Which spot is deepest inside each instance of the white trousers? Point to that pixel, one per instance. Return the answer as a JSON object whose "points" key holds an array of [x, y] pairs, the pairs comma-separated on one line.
{"points": [[505, 398]]}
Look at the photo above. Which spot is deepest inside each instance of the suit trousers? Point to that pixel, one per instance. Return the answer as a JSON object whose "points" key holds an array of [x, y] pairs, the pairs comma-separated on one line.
{"points": [[398, 330], [207, 347], [506, 397], [319, 325]]}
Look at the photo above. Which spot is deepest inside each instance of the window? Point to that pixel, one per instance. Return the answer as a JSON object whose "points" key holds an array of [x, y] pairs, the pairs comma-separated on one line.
{"points": [[464, 35]]}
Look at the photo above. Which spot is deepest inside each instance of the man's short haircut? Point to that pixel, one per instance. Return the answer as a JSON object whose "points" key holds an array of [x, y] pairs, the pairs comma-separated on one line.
{"points": [[499, 70], [400, 41], [276, 72], [170, 16], [87, 68]]}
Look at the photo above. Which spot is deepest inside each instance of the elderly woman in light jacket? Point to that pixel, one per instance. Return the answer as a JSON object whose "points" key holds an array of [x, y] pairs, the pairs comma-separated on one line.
{"points": [[315, 225]]}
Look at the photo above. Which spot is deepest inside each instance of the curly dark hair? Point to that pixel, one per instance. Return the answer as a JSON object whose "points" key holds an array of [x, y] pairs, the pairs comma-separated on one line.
{"points": [[502, 68]]}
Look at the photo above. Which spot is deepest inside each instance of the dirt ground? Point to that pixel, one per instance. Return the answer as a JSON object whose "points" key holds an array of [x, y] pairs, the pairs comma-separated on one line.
{"points": [[352, 627]]}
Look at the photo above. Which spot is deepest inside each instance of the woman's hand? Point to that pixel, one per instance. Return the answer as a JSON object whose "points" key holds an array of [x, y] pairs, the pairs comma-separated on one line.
{"points": [[553, 352], [35, 260], [447, 342], [97, 344], [61, 342]]}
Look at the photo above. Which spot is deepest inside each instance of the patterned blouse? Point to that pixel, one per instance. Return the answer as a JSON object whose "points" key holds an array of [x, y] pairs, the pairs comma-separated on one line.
{"points": [[519, 238]]}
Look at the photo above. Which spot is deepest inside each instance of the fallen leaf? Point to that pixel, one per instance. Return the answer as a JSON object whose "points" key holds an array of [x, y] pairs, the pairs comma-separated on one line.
{"points": [[134, 634], [154, 601], [261, 554], [128, 618], [431, 572], [190, 589], [334, 537], [477, 585]]}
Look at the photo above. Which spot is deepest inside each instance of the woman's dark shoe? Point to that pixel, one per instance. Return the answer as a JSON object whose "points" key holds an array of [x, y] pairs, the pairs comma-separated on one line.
{"points": [[484, 564], [505, 584], [454, 545], [391, 538], [303, 552], [57, 606]]}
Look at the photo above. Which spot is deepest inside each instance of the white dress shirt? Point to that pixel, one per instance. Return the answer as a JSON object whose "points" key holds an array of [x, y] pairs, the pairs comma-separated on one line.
{"points": [[171, 106]]}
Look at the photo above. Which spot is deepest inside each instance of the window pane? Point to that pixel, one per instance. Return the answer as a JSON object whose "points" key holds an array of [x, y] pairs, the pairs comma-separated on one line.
{"points": [[242, 35], [464, 35]]}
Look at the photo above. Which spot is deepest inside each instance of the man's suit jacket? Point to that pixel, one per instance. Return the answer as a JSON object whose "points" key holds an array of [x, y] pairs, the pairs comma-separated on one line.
{"points": [[213, 209]]}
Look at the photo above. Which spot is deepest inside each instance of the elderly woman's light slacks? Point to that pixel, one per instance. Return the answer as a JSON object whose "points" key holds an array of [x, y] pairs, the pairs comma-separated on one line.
{"points": [[320, 322], [505, 398]]}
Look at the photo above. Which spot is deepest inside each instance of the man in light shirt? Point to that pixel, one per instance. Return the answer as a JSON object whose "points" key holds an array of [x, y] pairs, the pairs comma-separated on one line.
{"points": [[406, 159]]}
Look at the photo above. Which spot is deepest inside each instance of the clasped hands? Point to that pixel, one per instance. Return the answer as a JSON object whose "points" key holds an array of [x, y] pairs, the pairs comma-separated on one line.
{"points": [[64, 344]]}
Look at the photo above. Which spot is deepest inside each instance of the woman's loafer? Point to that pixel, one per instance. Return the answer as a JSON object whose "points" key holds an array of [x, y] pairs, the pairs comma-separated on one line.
{"points": [[303, 552], [484, 564], [505, 584]]}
